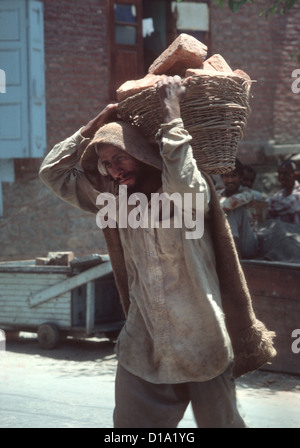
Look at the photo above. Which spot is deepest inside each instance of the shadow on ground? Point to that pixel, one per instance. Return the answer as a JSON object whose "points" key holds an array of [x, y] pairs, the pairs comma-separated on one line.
{"points": [[68, 349]]}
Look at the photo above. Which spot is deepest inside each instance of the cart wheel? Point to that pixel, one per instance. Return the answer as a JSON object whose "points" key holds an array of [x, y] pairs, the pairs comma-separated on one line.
{"points": [[48, 336]]}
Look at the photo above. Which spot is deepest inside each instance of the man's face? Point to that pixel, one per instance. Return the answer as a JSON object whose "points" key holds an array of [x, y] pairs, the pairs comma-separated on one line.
{"points": [[231, 182], [122, 167], [286, 177]]}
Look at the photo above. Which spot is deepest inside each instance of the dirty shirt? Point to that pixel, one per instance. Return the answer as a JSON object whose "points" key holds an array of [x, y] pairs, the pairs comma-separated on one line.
{"points": [[175, 331]]}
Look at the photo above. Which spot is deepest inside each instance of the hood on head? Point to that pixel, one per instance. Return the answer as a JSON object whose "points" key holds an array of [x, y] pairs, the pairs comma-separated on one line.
{"points": [[124, 136]]}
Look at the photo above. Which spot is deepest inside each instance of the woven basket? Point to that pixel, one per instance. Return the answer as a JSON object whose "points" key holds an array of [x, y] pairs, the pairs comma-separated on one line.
{"points": [[214, 111]]}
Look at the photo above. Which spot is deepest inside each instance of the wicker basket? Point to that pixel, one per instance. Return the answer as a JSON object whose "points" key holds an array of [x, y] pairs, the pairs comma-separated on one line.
{"points": [[214, 111]]}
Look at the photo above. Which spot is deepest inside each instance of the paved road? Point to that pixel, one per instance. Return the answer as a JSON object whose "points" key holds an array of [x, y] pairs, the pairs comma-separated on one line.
{"points": [[73, 387]]}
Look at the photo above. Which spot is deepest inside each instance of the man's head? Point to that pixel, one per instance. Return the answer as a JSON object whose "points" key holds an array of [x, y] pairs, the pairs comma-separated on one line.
{"points": [[119, 151], [287, 175], [232, 180], [121, 166], [249, 175]]}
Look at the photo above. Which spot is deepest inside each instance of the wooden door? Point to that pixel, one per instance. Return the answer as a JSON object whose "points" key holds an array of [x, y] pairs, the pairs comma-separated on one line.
{"points": [[125, 42]]}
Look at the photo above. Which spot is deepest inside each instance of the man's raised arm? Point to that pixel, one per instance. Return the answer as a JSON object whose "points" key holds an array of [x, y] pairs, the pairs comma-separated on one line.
{"points": [[61, 170]]}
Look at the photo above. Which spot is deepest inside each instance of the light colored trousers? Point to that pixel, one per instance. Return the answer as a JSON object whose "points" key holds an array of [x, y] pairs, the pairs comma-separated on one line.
{"points": [[140, 404]]}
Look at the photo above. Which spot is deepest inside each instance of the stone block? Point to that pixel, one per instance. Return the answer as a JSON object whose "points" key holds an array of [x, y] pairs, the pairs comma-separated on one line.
{"points": [[41, 261], [185, 52], [218, 63], [207, 66], [130, 88], [60, 258], [242, 74], [199, 72], [55, 259]]}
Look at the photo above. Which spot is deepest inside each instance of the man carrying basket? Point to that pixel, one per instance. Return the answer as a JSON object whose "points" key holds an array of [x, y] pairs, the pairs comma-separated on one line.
{"points": [[190, 324]]}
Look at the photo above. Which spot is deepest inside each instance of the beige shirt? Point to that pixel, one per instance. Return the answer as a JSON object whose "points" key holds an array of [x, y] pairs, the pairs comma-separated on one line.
{"points": [[175, 331]]}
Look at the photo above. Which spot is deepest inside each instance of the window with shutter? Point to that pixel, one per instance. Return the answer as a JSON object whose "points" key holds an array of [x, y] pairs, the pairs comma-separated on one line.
{"points": [[22, 97]]}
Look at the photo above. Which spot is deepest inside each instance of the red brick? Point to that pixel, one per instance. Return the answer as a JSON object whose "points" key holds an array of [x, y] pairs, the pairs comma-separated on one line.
{"points": [[218, 63], [185, 52], [242, 74], [130, 88]]}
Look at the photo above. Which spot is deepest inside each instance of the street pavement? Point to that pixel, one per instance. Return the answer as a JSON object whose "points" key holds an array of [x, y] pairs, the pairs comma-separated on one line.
{"points": [[73, 387]]}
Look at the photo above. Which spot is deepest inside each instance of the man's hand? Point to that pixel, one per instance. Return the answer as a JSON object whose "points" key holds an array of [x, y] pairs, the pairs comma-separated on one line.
{"points": [[171, 92], [108, 114]]}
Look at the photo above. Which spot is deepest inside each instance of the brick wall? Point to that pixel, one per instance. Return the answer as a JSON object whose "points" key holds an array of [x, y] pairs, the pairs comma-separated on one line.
{"points": [[263, 49], [76, 64], [286, 36], [35, 221], [77, 75]]}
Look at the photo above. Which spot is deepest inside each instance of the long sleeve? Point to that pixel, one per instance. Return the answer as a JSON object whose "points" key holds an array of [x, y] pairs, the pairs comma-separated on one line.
{"points": [[243, 197], [61, 172], [180, 172]]}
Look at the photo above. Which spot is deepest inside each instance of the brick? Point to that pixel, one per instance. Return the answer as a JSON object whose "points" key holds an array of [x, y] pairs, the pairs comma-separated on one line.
{"points": [[218, 62], [185, 52], [245, 76], [242, 74], [207, 66], [41, 261], [130, 88], [199, 72], [209, 70], [55, 259], [60, 258]]}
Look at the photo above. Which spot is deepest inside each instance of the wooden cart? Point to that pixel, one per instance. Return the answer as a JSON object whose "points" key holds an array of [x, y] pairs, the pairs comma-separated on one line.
{"points": [[275, 291], [83, 301], [80, 300]]}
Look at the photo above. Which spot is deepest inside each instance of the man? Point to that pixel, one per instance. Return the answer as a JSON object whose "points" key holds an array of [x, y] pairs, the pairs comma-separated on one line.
{"points": [[175, 346], [248, 179], [285, 205], [234, 200]]}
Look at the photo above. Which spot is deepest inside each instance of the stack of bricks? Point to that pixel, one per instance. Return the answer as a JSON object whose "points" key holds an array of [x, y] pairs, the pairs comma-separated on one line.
{"points": [[185, 57]]}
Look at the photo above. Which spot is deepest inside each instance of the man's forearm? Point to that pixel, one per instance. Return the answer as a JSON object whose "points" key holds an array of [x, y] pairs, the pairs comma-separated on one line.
{"points": [[171, 92]]}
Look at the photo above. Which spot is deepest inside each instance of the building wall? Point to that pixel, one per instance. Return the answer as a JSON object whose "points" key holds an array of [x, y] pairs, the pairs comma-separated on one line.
{"points": [[77, 76], [76, 58], [263, 49], [76, 64]]}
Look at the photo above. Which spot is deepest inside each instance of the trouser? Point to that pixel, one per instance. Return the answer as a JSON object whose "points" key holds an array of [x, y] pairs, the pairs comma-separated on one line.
{"points": [[140, 404]]}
